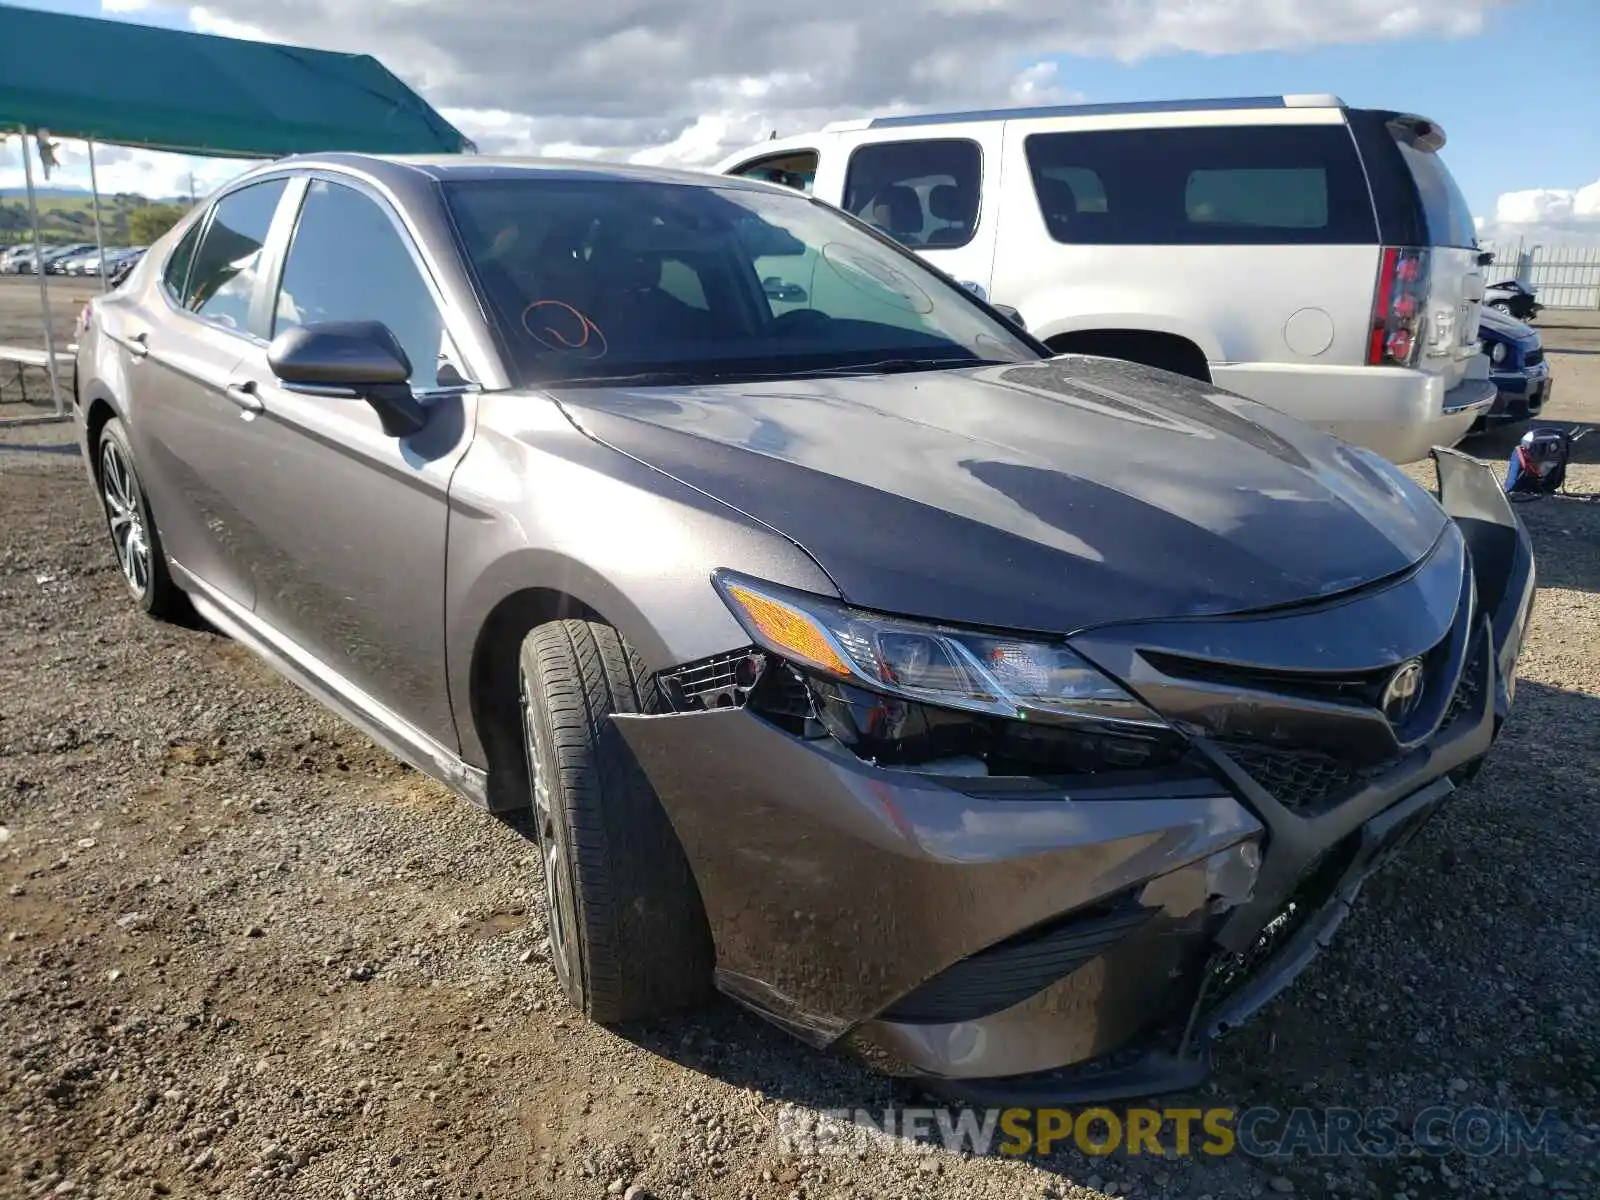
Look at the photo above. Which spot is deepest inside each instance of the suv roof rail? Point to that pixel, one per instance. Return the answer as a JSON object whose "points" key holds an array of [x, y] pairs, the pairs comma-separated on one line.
{"points": [[1306, 100]]}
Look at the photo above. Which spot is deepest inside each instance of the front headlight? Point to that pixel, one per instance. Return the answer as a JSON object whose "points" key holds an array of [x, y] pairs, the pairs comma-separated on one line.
{"points": [[1013, 677]]}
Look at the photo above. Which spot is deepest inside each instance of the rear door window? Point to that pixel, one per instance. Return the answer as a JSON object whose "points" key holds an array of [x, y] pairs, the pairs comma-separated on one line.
{"points": [[222, 281], [1227, 185], [922, 193]]}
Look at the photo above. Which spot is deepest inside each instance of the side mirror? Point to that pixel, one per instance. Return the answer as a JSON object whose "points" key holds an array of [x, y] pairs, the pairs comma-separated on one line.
{"points": [[355, 360], [1012, 315]]}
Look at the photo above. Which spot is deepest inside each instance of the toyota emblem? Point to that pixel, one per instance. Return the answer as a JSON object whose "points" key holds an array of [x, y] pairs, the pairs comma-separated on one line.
{"points": [[1403, 692]]}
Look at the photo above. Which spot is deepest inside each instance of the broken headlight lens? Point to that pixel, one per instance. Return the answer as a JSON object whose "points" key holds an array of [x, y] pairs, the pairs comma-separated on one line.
{"points": [[1013, 677]]}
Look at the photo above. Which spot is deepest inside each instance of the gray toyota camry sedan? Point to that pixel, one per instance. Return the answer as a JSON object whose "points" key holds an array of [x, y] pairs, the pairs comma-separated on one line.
{"points": [[1022, 722]]}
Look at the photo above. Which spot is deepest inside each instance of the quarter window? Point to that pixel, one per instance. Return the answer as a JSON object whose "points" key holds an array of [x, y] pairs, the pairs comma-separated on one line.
{"points": [[176, 277], [348, 262], [222, 281], [924, 194], [1223, 185], [793, 168]]}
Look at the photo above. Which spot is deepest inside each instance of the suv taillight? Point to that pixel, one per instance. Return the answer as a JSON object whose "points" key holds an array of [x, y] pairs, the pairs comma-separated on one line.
{"points": [[1397, 309]]}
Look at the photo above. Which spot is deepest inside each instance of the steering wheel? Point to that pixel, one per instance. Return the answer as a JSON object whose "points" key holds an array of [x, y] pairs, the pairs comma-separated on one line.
{"points": [[800, 321]]}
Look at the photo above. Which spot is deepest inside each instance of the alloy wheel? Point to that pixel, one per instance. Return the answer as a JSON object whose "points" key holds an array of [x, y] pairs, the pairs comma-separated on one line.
{"points": [[119, 490]]}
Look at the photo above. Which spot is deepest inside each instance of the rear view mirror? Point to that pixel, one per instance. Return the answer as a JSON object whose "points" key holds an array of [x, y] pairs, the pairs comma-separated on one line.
{"points": [[354, 359]]}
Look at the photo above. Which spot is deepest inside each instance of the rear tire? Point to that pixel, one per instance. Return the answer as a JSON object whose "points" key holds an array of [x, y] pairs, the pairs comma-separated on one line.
{"points": [[628, 935], [135, 540]]}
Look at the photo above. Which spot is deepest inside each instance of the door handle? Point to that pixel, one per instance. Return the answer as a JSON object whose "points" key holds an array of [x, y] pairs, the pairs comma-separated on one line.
{"points": [[243, 393]]}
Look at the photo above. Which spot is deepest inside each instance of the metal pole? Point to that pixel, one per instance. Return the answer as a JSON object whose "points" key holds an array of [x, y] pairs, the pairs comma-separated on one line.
{"points": [[38, 267], [99, 238]]}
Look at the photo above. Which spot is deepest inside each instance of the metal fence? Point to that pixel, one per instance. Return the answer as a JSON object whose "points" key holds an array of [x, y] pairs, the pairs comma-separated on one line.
{"points": [[1566, 276]]}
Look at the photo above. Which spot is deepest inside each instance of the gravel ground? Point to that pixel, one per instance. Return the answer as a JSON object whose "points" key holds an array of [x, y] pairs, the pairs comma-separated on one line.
{"points": [[245, 953]]}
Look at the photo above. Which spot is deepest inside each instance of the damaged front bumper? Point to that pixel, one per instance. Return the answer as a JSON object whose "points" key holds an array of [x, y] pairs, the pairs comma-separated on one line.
{"points": [[1022, 940]]}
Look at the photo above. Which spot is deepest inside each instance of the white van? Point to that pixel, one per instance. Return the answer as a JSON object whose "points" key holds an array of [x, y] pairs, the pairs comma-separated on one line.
{"points": [[1314, 257]]}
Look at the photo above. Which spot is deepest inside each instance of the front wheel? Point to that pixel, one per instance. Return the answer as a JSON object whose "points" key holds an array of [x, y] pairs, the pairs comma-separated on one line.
{"points": [[628, 935]]}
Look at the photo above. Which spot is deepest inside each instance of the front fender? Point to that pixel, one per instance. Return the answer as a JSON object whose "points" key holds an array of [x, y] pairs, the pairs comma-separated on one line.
{"points": [[536, 504]]}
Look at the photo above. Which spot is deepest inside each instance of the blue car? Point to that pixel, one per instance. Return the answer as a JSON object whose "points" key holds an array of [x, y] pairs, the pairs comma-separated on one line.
{"points": [[1516, 365]]}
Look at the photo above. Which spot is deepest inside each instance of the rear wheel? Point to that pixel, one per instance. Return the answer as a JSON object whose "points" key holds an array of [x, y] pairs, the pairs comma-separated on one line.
{"points": [[628, 936], [135, 541]]}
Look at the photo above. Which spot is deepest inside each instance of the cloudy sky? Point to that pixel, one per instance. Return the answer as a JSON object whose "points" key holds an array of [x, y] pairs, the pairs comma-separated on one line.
{"points": [[686, 81]]}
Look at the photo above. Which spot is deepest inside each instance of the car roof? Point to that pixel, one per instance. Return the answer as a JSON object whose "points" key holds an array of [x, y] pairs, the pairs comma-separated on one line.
{"points": [[442, 167], [1223, 104]]}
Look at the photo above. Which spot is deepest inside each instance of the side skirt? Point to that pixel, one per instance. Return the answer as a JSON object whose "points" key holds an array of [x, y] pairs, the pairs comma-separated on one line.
{"points": [[391, 731]]}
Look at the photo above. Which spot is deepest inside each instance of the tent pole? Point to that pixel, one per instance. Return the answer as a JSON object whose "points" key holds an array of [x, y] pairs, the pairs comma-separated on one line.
{"points": [[99, 238], [38, 267]]}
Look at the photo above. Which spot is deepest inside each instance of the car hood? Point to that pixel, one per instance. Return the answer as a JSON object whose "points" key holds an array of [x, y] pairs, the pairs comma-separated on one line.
{"points": [[1508, 328], [1051, 495]]}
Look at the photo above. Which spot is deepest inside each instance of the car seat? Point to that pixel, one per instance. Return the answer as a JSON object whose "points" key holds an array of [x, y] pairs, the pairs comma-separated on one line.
{"points": [[957, 204]]}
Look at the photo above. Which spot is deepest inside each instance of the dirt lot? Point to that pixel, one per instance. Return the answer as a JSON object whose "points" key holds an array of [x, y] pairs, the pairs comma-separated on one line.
{"points": [[245, 953]]}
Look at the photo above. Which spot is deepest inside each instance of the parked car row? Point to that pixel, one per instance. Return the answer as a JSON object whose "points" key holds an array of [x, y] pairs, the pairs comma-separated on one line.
{"points": [[1020, 720], [88, 263], [1517, 367], [1312, 256], [75, 258]]}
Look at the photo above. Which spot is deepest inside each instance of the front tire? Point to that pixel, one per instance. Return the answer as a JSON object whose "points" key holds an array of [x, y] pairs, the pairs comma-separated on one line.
{"points": [[135, 541], [628, 935]]}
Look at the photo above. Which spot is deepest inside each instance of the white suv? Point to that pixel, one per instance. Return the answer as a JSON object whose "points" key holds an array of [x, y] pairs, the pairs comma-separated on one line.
{"points": [[1314, 257]]}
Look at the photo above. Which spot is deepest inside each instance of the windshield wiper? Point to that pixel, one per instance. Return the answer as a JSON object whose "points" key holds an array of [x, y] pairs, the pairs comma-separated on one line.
{"points": [[662, 378], [896, 366], [883, 366]]}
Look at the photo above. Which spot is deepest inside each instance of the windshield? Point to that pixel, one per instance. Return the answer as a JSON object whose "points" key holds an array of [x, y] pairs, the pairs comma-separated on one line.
{"points": [[602, 279]]}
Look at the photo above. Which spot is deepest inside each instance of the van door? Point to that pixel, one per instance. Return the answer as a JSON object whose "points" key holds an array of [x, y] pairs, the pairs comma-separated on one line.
{"points": [[936, 193]]}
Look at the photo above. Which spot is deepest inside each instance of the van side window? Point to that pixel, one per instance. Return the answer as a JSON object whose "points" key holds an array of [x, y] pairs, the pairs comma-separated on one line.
{"points": [[924, 194], [1227, 185], [793, 168]]}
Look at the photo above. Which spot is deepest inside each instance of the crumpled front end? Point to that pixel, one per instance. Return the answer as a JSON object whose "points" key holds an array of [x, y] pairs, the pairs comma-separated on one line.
{"points": [[1056, 918]]}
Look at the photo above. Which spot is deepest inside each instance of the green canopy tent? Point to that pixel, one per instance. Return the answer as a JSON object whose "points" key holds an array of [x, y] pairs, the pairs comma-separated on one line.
{"points": [[194, 93]]}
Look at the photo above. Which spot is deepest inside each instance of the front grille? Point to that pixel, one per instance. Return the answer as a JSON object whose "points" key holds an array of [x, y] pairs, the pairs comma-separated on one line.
{"points": [[1302, 780], [1354, 687], [721, 682], [1533, 358]]}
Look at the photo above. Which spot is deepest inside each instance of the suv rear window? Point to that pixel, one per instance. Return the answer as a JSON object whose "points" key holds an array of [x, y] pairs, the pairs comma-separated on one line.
{"points": [[1228, 185], [1448, 214]]}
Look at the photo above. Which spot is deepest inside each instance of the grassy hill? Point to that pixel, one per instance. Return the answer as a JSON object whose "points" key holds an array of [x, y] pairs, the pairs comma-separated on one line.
{"points": [[66, 215]]}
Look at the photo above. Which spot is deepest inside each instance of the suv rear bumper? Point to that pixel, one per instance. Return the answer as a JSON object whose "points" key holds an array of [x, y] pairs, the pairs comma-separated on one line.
{"points": [[1397, 412]]}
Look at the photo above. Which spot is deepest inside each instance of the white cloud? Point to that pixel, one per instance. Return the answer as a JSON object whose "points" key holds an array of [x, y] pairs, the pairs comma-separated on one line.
{"points": [[689, 80], [1550, 215], [1550, 206]]}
